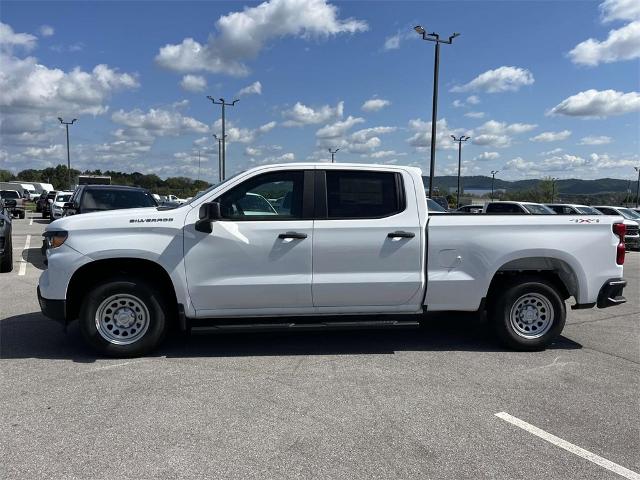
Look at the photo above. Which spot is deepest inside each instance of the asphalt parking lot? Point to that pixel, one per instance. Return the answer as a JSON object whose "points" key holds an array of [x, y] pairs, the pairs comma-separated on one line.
{"points": [[410, 403]]}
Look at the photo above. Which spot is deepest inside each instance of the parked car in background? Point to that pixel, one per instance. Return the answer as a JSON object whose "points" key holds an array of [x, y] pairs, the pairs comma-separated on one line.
{"points": [[57, 205], [97, 198], [46, 206], [435, 207], [6, 244], [41, 201], [572, 209], [631, 221], [470, 209], [17, 208], [353, 239], [517, 208]]}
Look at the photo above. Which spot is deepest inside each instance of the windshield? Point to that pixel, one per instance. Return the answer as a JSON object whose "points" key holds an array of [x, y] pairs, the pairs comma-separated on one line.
{"points": [[435, 206], [588, 211], [630, 214], [538, 209], [9, 194], [107, 199], [63, 198]]}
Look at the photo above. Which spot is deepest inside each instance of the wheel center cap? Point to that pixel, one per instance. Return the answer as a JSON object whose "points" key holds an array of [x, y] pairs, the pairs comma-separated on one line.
{"points": [[124, 317], [530, 315]]}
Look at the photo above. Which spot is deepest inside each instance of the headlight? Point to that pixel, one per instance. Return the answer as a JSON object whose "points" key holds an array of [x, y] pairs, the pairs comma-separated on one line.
{"points": [[55, 238]]}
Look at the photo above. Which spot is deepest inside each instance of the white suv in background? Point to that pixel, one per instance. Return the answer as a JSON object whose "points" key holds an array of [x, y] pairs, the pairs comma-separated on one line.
{"points": [[57, 205]]}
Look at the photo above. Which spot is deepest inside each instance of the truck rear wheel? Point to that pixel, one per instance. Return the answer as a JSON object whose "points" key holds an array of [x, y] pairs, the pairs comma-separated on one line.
{"points": [[123, 317], [528, 315]]}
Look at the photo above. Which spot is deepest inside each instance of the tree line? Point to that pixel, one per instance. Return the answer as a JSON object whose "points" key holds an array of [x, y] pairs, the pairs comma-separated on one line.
{"points": [[57, 176]]}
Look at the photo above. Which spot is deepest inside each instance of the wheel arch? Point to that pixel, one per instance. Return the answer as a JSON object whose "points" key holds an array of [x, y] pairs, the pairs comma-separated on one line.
{"points": [[93, 272]]}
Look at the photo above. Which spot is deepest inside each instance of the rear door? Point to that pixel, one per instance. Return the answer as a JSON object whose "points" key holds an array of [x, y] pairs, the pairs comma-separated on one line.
{"points": [[367, 240]]}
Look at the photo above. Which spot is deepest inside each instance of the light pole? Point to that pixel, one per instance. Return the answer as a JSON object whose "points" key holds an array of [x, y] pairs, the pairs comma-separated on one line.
{"points": [[553, 189], [333, 154], [66, 125], [493, 180], [434, 37], [198, 165], [224, 136], [459, 140], [637, 187], [220, 163]]}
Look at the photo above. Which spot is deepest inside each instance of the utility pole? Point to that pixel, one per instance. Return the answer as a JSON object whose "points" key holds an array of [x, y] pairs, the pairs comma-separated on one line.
{"points": [[434, 37], [333, 154], [493, 181], [553, 189], [66, 124], [637, 187], [198, 165], [220, 164], [459, 140], [224, 104]]}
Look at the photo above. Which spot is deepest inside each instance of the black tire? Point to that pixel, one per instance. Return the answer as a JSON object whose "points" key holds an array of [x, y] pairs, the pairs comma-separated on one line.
{"points": [[6, 262], [145, 292], [44, 214], [21, 214], [541, 319]]}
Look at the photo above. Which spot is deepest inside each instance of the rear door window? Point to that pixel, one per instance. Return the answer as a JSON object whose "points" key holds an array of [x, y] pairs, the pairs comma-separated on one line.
{"points": [[356, 194]]}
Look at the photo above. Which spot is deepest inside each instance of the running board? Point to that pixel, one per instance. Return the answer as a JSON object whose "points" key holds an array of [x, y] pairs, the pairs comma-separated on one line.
{"points": [[326, 325]]}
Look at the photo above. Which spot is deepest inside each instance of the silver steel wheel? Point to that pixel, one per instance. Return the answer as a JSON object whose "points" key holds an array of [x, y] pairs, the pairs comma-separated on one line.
{"points": [[122, 319], [531, 315]]}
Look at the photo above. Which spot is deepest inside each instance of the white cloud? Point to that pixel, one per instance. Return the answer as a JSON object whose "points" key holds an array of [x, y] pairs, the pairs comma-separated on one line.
{"points": [[474, 114], [519, 164], [27, 85], [339, 128], [252, 152], [595, 140], [254, 89], [551, 136], [158, 123], [193, 83], [242, 135], [242, 35], [386, 154], [555, 151], [46, 30], [10, 39], [620, 10], [301, 114], [375, 104], [367, 133], [392, 42], [473, 100], [498, 134], [421, 139], [502, 79], [598, 104], [621, 44], [487, 156]]}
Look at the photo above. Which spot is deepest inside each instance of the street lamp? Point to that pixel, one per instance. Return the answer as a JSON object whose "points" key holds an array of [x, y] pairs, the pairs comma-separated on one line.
{"points": [[333, 154], [637, 169], [224, 104], [220, 164], [493, 181], [66, 125], [553, 189], [459, 140], [434, 37]]}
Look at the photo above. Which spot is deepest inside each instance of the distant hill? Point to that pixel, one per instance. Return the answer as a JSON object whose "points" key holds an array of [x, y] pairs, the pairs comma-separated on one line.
{"points": [[570, 186]]}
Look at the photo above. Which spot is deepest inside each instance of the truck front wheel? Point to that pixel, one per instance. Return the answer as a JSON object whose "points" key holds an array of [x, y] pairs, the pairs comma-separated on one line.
{"points": [[123, 317], [528, 315]]}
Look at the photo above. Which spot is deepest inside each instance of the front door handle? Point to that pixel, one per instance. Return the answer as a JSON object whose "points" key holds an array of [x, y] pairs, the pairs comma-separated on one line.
{"points": [[401, 234], [295, 235]]}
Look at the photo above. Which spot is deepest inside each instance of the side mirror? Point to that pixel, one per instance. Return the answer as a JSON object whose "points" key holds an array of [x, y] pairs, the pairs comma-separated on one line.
{"points": [[70, 208], [209, 212]]}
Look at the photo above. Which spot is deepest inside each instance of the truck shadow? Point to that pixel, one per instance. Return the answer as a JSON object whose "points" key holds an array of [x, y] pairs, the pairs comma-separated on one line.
{"points": [[34, 256], [33, 336]]}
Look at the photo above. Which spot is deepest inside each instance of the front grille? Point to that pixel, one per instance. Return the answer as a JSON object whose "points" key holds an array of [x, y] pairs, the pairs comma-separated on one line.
{"points": [[632, 229]]}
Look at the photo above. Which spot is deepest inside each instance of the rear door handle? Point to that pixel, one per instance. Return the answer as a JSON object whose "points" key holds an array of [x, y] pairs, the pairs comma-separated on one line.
{"points": [[401, 234], [296, 235]]}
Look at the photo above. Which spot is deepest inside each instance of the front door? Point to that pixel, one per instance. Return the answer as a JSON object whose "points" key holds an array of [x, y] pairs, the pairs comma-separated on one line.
{"points": [[258, 257]]}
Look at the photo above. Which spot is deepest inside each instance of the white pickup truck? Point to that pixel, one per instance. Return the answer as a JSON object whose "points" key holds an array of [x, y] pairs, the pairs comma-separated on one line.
{"points": [[300, 244]]}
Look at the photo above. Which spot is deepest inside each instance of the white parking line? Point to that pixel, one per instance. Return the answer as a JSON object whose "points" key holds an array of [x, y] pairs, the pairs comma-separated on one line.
{"points": [[570, 447], [31, 221], [23, 261]]}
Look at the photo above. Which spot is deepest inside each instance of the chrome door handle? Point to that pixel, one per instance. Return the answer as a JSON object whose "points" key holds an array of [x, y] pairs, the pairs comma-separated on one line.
{"points": [[401, 234], [295, 235]]}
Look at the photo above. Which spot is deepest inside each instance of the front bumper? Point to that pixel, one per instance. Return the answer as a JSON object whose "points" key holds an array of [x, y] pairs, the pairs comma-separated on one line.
{"points": [[632, 241], [54, 309], [611, 293]]}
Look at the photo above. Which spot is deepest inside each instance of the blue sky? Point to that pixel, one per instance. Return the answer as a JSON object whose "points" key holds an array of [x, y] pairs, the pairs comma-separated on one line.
{"points": [[542, 88]]}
